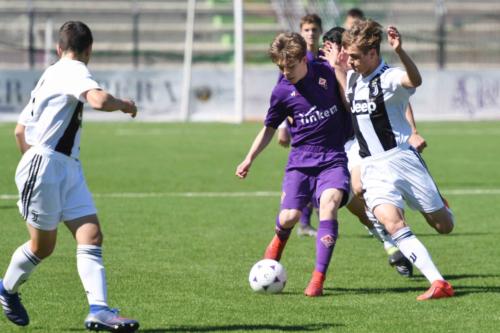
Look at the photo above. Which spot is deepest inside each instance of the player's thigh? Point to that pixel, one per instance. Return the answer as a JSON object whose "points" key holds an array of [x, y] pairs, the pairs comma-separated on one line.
{"points": [[297, 190], [78, 200], [417, 185], [379, 185], [38, 180], [391, 216]]}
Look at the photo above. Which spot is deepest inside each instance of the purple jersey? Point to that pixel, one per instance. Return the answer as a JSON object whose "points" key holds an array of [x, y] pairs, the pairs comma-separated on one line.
{"points": [[314, 106]]}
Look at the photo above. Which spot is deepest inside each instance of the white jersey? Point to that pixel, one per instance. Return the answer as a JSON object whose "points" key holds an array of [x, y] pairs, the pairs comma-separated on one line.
{"points": [[378, 105], [53, 115]]}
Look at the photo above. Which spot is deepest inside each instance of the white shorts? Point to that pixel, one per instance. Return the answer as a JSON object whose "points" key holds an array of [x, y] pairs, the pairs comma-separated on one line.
{"points": [[396, 176], [352, 150], [51, 189]]}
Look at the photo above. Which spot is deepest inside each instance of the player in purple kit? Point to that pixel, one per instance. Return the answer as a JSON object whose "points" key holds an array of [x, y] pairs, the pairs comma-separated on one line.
{"points": [[392, 172], [308, 93], [310, 29]]}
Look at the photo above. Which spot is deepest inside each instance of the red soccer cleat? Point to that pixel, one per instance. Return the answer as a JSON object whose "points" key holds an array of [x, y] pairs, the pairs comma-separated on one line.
{"points": [[438, 289], [315, 287], [275, 249]]}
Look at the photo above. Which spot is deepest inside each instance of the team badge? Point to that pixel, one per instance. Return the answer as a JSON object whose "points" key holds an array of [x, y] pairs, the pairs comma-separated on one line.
{"points": [[294, 93], [374, 88], [328, 241], [322, 82]]}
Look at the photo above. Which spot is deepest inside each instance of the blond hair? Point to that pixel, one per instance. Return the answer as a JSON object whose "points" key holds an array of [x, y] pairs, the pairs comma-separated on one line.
{"points": [[365, 34], [287, 47]]}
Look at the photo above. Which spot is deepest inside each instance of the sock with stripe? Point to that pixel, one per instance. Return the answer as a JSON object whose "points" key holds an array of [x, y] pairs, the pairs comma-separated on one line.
{"points": [[21, 266], [416, 252], [93, 275], [325, 243]]}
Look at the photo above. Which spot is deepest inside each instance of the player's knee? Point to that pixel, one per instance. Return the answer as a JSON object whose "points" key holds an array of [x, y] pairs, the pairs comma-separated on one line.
{"points": [[288, 217], [42, 251], [97, 239]]}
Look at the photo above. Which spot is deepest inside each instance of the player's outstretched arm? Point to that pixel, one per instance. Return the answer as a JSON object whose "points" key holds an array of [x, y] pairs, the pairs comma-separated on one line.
{"points": [[103, 101], [259, 143], [21, 138], [412, 79]]}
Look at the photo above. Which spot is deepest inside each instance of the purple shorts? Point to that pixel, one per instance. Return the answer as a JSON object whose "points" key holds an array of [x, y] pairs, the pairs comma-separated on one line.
{"points": [[309, 172]]}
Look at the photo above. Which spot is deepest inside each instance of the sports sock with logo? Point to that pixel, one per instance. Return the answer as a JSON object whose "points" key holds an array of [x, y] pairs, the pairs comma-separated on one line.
{"points": [[416, 252], [325, 243]]}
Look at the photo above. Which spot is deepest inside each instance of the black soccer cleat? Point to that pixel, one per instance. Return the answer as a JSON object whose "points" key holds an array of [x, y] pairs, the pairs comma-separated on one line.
{"points": [[402, 264]]}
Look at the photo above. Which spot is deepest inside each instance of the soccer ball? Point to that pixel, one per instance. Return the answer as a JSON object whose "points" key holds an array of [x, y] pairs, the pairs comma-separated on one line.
{"points": [[267, 276]]}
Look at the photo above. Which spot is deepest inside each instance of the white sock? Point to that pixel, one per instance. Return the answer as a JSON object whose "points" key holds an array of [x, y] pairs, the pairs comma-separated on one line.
{"points": [[21, 266], [380, 233], [92, 273], [416, 252]]}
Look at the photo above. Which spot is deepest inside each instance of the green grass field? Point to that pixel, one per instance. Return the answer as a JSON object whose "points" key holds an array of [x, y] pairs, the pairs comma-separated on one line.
{"points": [[178, 247]]}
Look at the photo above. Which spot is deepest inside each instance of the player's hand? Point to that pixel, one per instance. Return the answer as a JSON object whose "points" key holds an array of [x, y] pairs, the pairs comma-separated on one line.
{"points": [[394, 38], [243, 169], [335, 56], [417, 142], [130, 107]]}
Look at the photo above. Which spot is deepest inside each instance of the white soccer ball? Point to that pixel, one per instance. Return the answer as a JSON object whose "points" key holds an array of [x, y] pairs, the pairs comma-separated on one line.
{"points": [[267, 276]]}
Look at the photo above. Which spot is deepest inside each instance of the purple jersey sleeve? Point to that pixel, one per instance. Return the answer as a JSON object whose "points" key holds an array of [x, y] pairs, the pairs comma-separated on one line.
{"points": [[277, 111]]}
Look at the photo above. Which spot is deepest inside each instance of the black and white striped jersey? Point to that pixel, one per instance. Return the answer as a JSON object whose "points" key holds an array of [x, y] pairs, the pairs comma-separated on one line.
{"points": [[378, 104], [53, 115]]}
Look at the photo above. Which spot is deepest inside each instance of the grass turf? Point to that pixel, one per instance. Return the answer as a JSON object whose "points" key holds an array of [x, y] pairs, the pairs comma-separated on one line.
{"points": [[180, 263]]}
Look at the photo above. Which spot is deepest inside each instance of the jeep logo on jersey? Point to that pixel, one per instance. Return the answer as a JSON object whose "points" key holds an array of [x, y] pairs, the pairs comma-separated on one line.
{"points": [[315, 115], [363, 107]]}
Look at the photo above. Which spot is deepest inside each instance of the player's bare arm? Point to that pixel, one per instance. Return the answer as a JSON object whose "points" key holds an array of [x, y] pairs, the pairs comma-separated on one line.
{"points": [[21, 138], [284, 137], [415, 139], [261, 141], [412, 79], [103, 101]]}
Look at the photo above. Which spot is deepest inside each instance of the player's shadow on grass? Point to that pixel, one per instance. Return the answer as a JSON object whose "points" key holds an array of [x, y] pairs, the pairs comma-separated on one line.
{"points": [[242, 327], [8, 207], [430, 234], [465, 290]]}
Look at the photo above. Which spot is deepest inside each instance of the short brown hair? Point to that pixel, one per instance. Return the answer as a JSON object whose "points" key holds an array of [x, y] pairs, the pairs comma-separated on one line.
{"points": [[365, 34], [311, 19], [75, 36], [287, 47]]}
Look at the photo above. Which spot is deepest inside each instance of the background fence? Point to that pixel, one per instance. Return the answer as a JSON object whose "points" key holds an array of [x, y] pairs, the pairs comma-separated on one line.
{"points": [[149, 37]]}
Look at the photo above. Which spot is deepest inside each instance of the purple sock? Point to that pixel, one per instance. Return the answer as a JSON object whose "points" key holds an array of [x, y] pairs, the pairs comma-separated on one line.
{"points": [[281, 232], [305, 217], [325, 243]]}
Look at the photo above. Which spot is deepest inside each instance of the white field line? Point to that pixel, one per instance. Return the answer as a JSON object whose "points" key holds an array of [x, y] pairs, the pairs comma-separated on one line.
{"points": [[428, 131], [138, 195]]}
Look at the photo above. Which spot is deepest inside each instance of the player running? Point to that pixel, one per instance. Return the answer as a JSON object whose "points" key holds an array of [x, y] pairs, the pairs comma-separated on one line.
{"points": [[392, 172], [51, 184], [317, 165]]}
